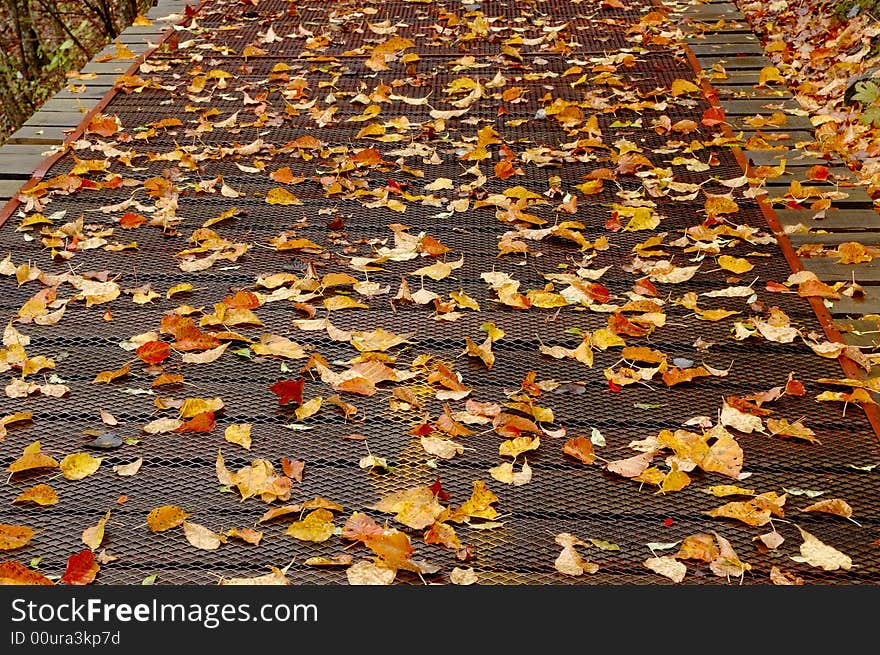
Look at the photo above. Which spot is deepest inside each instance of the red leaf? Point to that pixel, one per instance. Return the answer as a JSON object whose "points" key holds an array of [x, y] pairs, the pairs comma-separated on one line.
{"points": [[615, 388], [437, 490], [668, 522], [795, 388], [288, 390], [81, 568], [645, 287], [153, 352], [712, 116], [775, 287], [422, 429], [202, 422], [336, 224]]}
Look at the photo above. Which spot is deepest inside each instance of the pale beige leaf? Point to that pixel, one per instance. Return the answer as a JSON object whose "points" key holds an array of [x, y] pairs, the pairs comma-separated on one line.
{"points": [[822, 556], [202, 537], [667, 566], [127, 470], [365, 572]]}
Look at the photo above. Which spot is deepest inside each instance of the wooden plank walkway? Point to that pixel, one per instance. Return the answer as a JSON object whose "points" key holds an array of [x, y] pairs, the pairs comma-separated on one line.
{"points": [[725, 47]]}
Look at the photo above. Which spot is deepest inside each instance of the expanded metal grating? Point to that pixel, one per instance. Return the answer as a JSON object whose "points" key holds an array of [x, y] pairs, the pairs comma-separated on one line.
{"points": [[236, 126]]}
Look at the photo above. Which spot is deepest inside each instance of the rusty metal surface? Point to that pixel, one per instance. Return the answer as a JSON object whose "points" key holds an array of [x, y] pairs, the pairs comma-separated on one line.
{"points": [[564, 496]]}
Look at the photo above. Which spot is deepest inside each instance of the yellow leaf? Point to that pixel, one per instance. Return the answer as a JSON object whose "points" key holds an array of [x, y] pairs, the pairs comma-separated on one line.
{"points": [[769, 74], [546, 299], [32, 458], [682, 87], [165, 517], [206, 356], [162, 425], [735, 264], [821, 555], [438, 270], [308, 408], [343, 302], [281, 196], [94, 535], [77, 466], [722, 490], [179, 288], [416, 507], [643, 218], [239, 433], [317, 526], [515, 447], [192, 406]]}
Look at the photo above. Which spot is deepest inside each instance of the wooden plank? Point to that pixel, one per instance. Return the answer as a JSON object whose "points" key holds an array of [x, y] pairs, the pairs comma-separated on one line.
{"points": [[735, 62], [68, 106], [831, 239], [54, 119], [9, 188], [723, 37], [835, 219], [114, 68], [750, 107], [37, 135], [726, 49], [737, 122], [828, 271], [868, 304], [745, 92], [860, 332], [857, 198], [792, 159], [90, 92]]}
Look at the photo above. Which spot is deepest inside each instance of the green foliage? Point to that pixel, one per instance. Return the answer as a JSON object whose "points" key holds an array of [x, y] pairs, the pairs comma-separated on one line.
{"points": [[868, 95]]}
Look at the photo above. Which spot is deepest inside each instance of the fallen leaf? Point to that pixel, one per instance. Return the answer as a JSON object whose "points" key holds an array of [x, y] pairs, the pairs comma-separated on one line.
{"points": [[201, 537], [77, 466], [14, 536], [127, 470], [81, 569], [165, 517], [239, 433], [32, 458], [836, 506], [822, 556], [41, 494], [16, 573], [316, 526], [94, 535], [365, 572], [668, 567]]}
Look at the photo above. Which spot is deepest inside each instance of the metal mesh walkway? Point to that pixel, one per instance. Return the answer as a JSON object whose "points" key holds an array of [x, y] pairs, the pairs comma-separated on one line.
{"points": [[355, 110]]}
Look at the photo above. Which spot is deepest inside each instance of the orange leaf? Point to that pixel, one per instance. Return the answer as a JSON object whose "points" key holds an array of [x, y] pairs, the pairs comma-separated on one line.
{"points": [[581, 448], [202, 422], [16, 573], [165, 517], [109, 376], [153, 352], [81, 568], [14, 536], [102, 125], [41, 494], [283, 175], [130, 220]]}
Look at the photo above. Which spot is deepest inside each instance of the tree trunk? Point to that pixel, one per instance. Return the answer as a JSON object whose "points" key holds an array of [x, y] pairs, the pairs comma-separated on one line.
{"points": [[105, 15], [32, 56]]}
